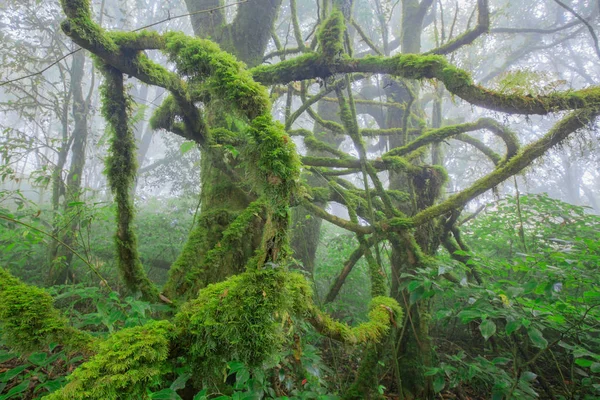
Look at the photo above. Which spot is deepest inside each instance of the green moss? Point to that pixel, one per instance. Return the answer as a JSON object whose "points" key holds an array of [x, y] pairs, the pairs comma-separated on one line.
{"points": [[316, 145], [331, 37], [384, 313], [401, 223], [223, 75], [80, 24], [272, 155], [232, 244], [306, 66], [121, 169], [189, 270], [240, 318], [29, 321], [164, 116], [137, 40], [275, 156], [128, 363]]}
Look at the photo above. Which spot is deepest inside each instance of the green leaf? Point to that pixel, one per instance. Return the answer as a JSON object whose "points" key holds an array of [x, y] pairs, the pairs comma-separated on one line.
{"points": [[595, 367], [469, 315], [528, 376], [501, 361], [589, 296], [5, 356], [180, 382], [186, 146], [165, 394], [11, 373], [38, 359], [242, 376], [439, 383], [201, 395], [20, 388], [512, 326], [53, 384], [537, 338], [487, 328], [582, 362], [414, 285]]}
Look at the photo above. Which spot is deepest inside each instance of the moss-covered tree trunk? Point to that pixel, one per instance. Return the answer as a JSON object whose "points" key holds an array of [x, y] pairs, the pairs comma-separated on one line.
{"points": [[222, 200]]}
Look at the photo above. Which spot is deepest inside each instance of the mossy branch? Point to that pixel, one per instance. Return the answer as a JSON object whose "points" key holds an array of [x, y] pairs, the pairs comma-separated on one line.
{"points": [[440, 134], [565, 127], [483, 26], [420, 67], [384, 313]]}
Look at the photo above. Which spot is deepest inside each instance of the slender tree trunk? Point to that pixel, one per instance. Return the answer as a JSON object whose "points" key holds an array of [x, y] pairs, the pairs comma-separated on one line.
{"points": [[61, 270], [415, 348]]}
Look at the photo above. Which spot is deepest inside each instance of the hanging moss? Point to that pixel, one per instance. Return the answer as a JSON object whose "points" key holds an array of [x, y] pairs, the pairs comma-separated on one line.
{"points": [[128, 363], [121, 169], [276, 158], [29, 322]]}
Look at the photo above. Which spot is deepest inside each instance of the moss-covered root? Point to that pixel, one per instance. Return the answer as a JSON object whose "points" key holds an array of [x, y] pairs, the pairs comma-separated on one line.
{"points": [[384, 313], [29, 322], [127, 364], [121, 167]]}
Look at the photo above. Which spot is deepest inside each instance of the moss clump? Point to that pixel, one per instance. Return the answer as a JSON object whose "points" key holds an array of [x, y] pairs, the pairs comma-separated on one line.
{"points": [[29, 321], [127, 364], [275, 156], [330, 37], [240, 318], [220, 72]]}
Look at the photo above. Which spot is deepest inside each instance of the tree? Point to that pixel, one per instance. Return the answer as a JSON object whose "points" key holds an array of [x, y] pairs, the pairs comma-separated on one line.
{"points": [[250, 173]]}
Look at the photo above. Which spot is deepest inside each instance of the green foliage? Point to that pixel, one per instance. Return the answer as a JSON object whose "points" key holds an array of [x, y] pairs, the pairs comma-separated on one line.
{"points": [[547, 224], [535, 319], [92, 309], [126, 365], [23, 248], [33, 376]]}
